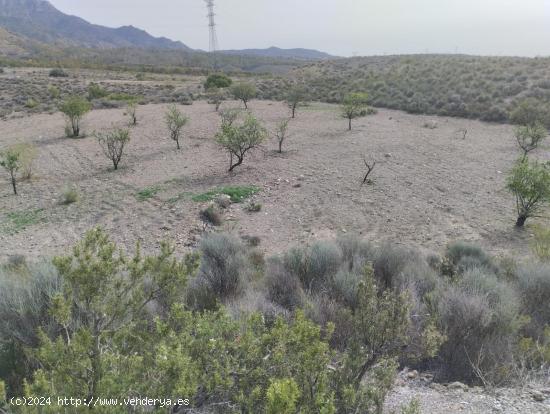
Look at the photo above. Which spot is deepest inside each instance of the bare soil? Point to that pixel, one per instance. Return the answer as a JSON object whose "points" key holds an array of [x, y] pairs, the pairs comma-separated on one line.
{"points": [[429, 187]]}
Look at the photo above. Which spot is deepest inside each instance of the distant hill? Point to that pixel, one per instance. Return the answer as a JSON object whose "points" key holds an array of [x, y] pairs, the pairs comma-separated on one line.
{"points": [[40, 21], [275, 52]]}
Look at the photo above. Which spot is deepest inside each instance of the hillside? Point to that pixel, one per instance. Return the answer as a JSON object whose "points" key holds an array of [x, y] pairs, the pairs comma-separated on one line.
{"points": [[275, 52], [39, 20], [485, 88]]}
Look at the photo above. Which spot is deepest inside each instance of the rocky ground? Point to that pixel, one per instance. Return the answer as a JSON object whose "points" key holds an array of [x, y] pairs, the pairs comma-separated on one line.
{"points": [[456, 397]]}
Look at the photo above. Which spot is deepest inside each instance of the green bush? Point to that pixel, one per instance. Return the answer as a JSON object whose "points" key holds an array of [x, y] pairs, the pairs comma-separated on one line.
{"points": [[74, 109], [95, 91], [58, 73], [217, 80], [529, 181]]}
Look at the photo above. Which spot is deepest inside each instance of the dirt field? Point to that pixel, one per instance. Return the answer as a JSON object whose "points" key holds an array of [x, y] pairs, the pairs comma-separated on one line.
{"points": [[430, 185]]}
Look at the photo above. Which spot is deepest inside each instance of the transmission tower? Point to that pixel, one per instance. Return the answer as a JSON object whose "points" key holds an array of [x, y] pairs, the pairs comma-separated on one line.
{"points": [[213, 46]]}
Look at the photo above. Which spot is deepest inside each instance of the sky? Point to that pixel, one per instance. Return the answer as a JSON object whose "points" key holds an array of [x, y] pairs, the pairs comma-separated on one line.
{"points": [[339, 27]]}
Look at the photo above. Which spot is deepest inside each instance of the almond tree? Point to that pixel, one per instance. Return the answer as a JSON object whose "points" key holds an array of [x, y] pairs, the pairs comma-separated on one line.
{"points": [[354, 106], [113, 144], [238, 140], [11, 162]]}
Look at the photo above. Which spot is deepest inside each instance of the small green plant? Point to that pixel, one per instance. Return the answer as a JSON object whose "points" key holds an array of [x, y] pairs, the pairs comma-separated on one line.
{"points": [[254, 207], [244, 92], [69, 195], [27, 155], [237, 194], [131, 110], [354, 106], [147, 193], [18, 221], [238, 140], [74, 109], [54, 92], [10, 160], [530, 183], [113, 144], [541, 243], [31, 103], [175, 121], [217, 80]]}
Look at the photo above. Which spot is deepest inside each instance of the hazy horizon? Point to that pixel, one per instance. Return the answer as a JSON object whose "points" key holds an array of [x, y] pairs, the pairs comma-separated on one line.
{"points": [[343, 27]]}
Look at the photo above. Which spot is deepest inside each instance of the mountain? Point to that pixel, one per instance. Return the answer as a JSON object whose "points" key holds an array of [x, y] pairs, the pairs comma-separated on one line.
{"points": [[275, 52], [38, 20]]}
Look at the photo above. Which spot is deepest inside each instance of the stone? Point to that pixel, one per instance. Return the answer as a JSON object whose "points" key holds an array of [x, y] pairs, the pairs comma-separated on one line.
{"points": [[458, 386]]}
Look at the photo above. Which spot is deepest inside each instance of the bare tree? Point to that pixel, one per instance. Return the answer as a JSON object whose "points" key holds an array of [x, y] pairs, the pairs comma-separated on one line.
{"points": [[530, 136], [113, 144], [370, 168], [281, 133]]}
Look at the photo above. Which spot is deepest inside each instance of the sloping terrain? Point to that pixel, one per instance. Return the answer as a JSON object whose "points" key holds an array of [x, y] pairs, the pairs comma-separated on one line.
{"points": [[39, 20]]}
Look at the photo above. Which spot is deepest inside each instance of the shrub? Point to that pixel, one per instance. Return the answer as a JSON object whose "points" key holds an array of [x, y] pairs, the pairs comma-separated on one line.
{"points": [[27, 155], [244, 92], [464, 256], [238, 140], [530, 136], [26, 293], [283, 288], [534, 286], [223, 265], [95, 91], [74, 109], [315, 266], [530, 183], [217, 80], [69, 195], [113, 144], [211, 215], [480, 317], [58, 73], [10, 160], [354, 105], [175, 121], [541, 243]]}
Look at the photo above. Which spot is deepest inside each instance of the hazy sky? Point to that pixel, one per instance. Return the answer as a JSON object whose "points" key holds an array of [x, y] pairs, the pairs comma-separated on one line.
{"points": [[340, 27]]}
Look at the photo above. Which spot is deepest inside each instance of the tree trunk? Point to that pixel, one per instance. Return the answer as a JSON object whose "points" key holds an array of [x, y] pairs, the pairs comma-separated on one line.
{"points": [[14, 184], [239, 162], [521, 221]]}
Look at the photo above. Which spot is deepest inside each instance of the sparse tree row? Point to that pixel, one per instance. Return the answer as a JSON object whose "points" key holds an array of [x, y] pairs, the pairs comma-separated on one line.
{"points": [[240, 134]]}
